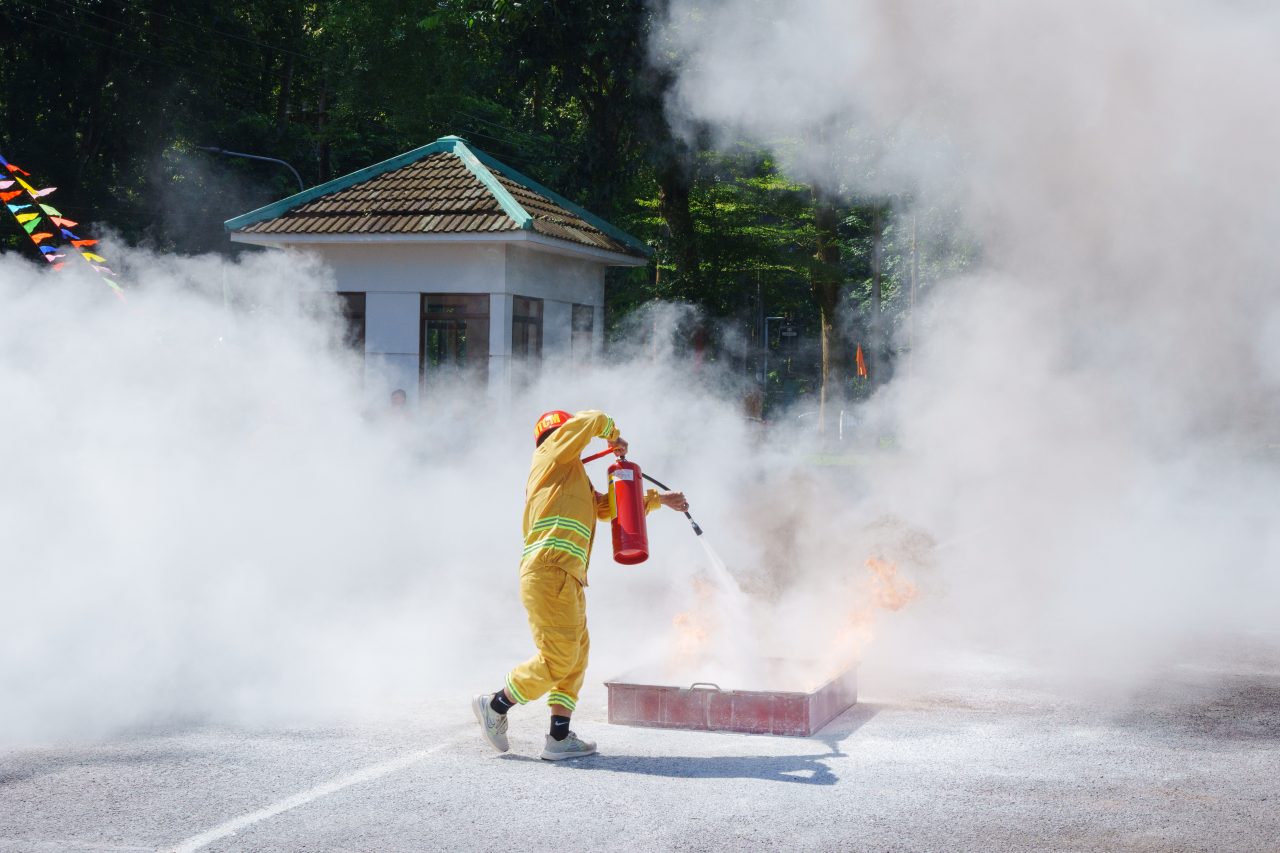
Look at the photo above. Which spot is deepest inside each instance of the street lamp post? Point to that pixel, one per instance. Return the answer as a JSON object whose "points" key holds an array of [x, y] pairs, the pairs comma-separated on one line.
{"points": [[212, 150]]}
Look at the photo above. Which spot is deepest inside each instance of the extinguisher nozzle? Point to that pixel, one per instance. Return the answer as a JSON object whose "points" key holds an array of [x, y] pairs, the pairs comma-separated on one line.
{"points": [[696, 528]]}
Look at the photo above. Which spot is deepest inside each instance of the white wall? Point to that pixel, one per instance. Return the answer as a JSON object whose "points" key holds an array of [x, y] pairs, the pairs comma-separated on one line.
{"points": [[557, 327], [547, 276], [391, 332], [395, 274], [414, 267]]}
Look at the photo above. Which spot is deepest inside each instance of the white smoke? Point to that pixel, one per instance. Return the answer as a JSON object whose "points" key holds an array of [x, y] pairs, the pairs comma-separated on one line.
{"points": [[203, 517], [1090, 425]]}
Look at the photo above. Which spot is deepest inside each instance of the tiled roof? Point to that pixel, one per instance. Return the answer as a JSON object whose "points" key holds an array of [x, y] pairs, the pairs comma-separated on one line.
{"points": [[443, 188]]}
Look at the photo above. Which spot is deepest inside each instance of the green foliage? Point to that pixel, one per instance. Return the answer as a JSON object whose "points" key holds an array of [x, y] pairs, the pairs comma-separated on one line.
{"points": [[111, 99]]}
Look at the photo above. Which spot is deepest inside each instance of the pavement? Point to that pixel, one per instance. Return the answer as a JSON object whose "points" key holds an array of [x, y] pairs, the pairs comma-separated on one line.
{"points": [[991, 760]]}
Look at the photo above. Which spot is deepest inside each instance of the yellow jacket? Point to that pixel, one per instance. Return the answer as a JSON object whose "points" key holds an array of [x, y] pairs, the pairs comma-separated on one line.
{"points": [[561, 507]]}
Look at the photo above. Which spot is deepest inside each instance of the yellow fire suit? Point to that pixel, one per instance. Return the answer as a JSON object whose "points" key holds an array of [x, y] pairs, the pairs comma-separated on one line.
{"points": [[560, 513]]}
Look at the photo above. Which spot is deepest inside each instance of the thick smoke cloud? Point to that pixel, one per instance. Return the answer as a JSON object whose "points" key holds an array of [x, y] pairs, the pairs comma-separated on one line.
{"points": [[1090, 424], [208, 514]]}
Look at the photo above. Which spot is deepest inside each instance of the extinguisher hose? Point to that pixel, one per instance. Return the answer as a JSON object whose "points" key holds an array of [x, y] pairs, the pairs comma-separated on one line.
{"points": [[666, 488]]}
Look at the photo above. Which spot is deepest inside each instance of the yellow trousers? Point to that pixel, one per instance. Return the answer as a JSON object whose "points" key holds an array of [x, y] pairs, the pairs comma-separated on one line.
{"points": [[557, 611]]}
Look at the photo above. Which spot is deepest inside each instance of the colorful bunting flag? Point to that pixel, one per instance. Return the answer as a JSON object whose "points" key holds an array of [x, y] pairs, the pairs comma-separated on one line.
{"points": [[860, 362], [31, 221]]}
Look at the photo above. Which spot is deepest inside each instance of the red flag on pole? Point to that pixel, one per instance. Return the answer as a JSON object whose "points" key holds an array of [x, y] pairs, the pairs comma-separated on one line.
{"points": [[861, 362]]}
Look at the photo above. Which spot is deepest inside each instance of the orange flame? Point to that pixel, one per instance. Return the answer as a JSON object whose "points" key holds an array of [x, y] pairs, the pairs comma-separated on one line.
{"points": [[882, 589]]}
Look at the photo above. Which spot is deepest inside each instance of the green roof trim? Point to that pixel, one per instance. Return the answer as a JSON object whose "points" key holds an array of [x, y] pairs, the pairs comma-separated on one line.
{"points": [[479, 164], [616, 233], [505, 199]]}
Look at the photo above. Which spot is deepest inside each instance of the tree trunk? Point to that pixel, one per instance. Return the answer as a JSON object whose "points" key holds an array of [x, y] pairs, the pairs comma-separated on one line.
{"points": [[673, 205], [323, 152], [283, 104], [825, 281], [876, 355]]}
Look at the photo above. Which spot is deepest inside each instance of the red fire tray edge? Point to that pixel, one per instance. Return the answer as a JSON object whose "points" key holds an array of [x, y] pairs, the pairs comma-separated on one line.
{"points": [[706, 707]]}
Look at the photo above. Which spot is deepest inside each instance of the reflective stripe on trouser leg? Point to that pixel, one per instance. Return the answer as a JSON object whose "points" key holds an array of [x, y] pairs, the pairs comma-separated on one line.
{"points": [[558, 621]]}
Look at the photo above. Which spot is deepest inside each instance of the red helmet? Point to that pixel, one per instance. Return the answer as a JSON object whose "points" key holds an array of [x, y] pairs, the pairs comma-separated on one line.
{"points": [[548, 422]]}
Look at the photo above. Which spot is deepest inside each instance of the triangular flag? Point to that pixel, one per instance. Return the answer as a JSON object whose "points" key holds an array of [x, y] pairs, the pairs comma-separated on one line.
{"points": [[40, 235], [15, 169], [27, 217], [32, 225], [58, 265], [103, 270], [52, 258], [48, 249], [65, 223], [44, 192], [52, 211], [14, 208], [10, 196], [4, 185], [92, 257], [82, 244], [861, 362], [69, 235], [26, 186]]}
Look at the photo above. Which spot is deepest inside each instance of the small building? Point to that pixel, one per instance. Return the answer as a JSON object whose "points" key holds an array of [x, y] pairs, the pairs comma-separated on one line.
{"points": [[453, 266]]}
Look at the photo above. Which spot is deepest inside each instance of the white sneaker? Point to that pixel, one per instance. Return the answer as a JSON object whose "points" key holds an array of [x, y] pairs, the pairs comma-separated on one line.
{"points": [[571, 747], [492, 724]]}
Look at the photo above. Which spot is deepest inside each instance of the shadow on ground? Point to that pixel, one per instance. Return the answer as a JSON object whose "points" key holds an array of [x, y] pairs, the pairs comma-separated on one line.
{"points": [[805, 768]]}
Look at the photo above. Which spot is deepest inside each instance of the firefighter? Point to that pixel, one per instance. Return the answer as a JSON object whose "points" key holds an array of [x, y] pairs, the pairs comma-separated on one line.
{"points": [[560, 512]]}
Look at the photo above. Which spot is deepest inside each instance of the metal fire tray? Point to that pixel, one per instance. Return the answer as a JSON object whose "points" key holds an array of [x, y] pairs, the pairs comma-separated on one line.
{"points": [[704, 706]]}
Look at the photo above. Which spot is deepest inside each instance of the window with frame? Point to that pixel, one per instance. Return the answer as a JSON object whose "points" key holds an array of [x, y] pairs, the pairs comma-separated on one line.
{"points": [[352, 306], [526, 328], [454, 342]]}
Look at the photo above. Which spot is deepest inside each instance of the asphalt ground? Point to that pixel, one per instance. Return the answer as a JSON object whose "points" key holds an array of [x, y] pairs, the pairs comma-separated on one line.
{"points": [[982, 760]]}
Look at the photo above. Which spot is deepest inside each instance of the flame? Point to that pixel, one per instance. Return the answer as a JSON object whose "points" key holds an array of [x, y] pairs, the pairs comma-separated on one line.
{"points": [[694, 628], [889, 591], [882, 589]]}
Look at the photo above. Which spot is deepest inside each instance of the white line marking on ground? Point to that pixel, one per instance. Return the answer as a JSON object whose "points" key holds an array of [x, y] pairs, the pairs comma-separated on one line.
{"points": [[367, 774]]}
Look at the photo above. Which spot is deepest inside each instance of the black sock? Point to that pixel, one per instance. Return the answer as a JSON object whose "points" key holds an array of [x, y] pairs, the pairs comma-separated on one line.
{"points": [[559, 727], [501, 703]]}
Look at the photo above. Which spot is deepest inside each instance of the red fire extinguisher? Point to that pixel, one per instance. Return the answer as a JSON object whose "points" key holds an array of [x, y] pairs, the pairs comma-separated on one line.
{"points": [[626, 495]]}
